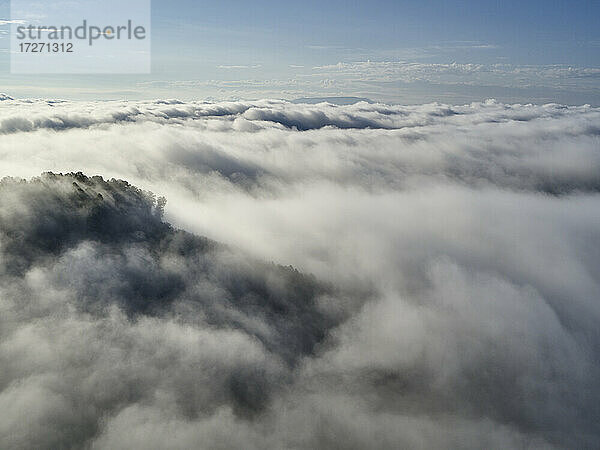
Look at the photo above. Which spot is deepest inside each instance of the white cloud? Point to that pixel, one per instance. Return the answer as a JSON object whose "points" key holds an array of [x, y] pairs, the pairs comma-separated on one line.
{"points": [[503, 75], [393, 81], [255, 66], [9, 22], [460, 244]]}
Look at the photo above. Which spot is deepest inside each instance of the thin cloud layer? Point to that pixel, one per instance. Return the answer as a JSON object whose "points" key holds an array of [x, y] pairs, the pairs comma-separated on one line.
{"points": [[444, 290], [403, 79]]}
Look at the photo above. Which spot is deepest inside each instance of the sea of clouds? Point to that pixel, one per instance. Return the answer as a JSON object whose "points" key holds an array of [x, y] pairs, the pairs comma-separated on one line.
{"points": [[360, 276]]}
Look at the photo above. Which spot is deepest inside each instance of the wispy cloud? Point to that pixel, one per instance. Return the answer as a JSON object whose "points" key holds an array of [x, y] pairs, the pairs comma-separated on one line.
{"points": [[325, 47], [9, 21], [504, 75], [255, 66]]}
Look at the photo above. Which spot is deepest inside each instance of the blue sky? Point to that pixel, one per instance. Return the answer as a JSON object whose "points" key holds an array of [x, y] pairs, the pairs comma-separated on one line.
{"points": [[396, 51]]}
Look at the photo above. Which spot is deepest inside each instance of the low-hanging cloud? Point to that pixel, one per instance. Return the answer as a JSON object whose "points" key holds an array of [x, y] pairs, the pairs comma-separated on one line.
{"points": [[444, 289]]}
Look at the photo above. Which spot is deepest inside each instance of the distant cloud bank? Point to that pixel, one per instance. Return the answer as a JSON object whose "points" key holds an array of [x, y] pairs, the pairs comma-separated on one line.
{"points": [[406, 82]]}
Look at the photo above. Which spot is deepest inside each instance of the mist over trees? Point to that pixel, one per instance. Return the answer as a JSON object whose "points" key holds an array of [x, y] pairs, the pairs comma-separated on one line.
{"points": [[320, 276]]}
